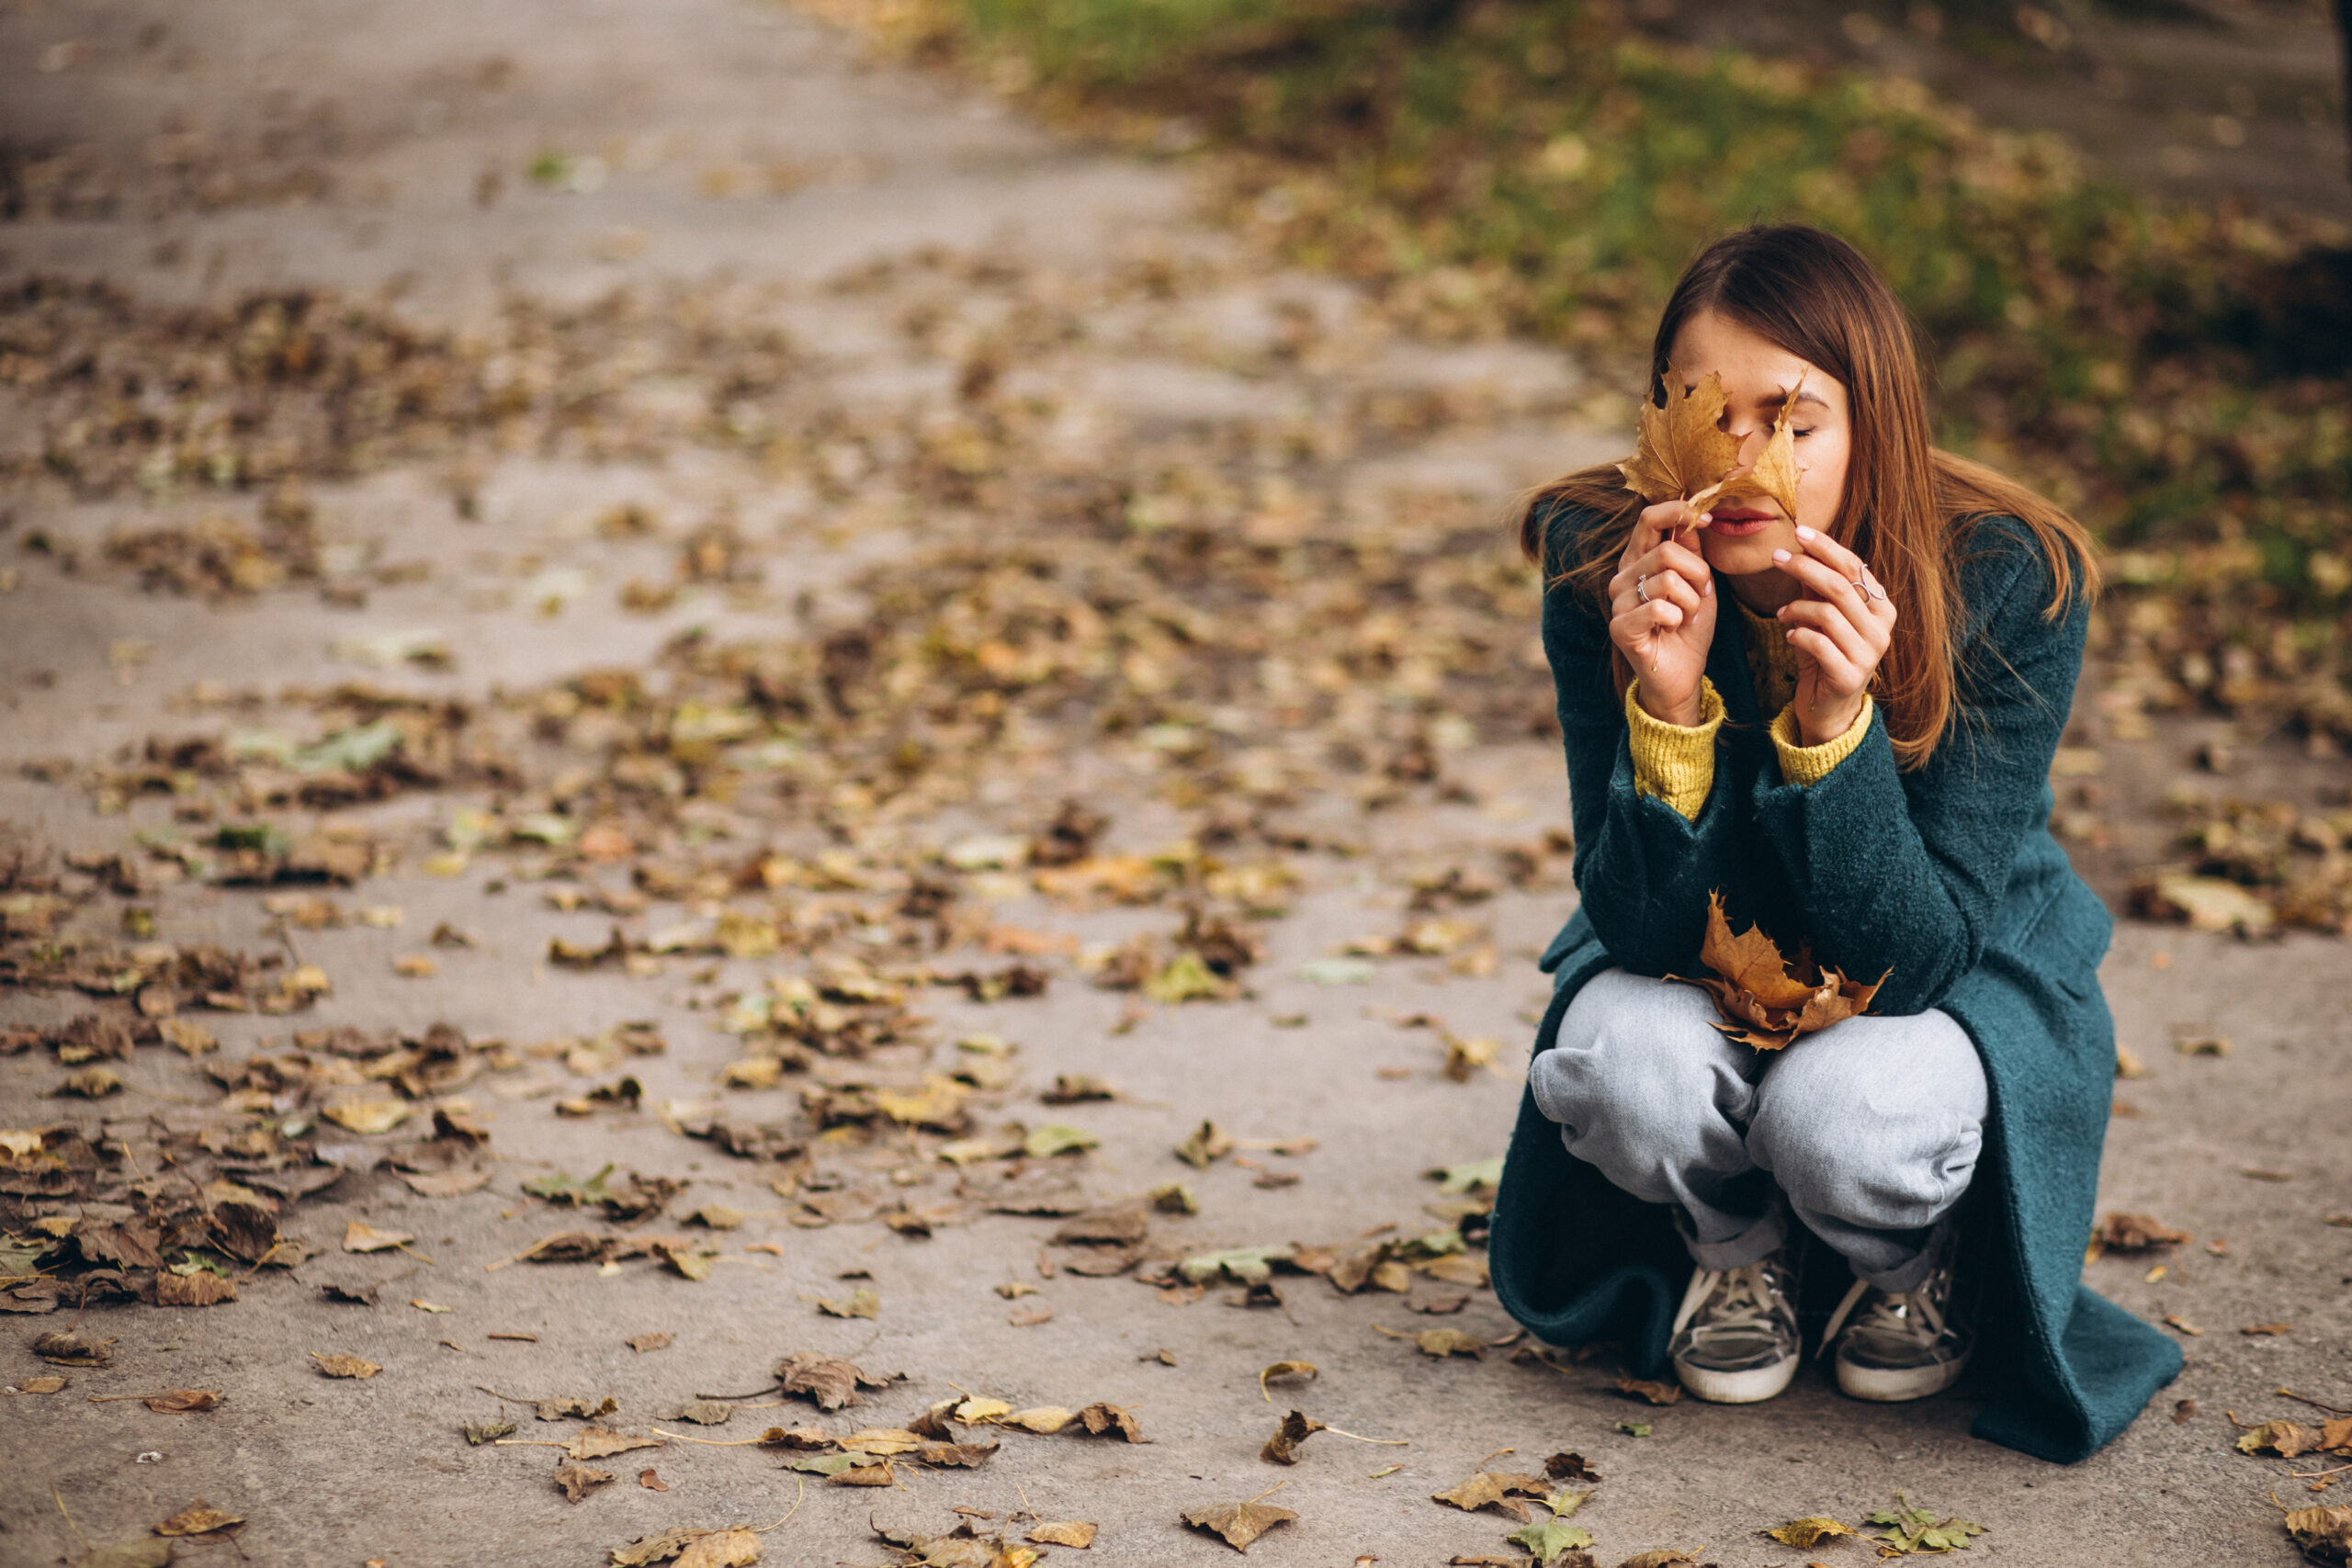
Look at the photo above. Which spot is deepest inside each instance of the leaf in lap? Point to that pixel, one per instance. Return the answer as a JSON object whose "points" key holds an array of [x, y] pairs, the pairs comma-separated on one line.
{"points": [[1763, 1003]]}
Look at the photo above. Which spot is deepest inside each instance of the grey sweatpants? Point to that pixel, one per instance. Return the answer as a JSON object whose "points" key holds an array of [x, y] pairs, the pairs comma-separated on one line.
{"points": [[1867, 1129]]}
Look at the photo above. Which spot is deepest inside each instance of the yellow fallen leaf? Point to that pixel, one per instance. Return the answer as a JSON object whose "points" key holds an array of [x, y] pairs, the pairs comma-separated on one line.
{"points": [[361, 1237], [1803, 1533], [366, 1116]]}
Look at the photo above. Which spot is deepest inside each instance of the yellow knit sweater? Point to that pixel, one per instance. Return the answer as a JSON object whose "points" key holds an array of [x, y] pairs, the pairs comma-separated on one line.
{"points": [[1676, 762]]}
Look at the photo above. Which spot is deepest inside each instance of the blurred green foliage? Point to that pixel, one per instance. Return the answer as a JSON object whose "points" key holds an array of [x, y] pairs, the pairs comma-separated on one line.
{"points": [[2175, 375]]}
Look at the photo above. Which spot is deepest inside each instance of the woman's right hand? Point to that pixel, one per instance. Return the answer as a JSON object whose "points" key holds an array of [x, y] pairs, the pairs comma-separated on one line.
{"points": [[1662, 612]]}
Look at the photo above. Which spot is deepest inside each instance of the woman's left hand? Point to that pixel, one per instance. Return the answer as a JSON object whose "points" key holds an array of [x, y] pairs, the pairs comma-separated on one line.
{"points": [[1840, 630]]}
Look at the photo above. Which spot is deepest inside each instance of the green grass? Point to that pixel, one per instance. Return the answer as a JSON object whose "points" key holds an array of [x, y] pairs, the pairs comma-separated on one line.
{"points": [[1533, 166]]}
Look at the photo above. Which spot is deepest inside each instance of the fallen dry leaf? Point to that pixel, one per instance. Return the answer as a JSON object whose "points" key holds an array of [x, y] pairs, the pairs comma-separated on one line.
{"points": [[721, 1549], [360, 1236], [1766, 1004], [72, 1350], [1570, 1467], [830, 1383], [1100, 1418], [198, 1517], [202, 1288], [341, 1366], [2137, 1233], [1066, 1532], [1282, 1446], [1286, 1372], [863, 1302], [875, 1474], [1498, 1490], [1807, 1533], [1030, 1316], [367, 1116], [651, 1481], [2288, 1439], [1044, 1419], [480, 1432], [1644, 1388], [41, 1385], [598, 1442], [642, 1343], [577, 1479], [179, 1401], [2324, 1534], [2267, 1328], [1444, 1342], [1238, 1523]]}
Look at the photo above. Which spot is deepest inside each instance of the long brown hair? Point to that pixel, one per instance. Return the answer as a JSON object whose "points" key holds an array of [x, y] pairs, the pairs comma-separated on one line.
{"points": [[1908, 505]]}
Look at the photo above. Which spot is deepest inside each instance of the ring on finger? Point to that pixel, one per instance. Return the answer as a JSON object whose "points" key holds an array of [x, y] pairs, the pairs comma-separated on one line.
{"points": [[1641, 588]]}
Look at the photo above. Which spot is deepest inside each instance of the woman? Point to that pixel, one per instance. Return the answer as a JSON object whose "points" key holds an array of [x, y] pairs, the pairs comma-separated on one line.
{"points": [[1840, 717]]}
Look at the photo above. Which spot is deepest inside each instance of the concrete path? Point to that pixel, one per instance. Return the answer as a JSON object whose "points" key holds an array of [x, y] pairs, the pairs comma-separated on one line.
{"points": [[765, 300]]}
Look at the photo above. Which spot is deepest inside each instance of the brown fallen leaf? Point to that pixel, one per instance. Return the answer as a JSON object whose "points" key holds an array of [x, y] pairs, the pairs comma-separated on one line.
{"points": [[72, 1350], [1238, 1523], [1765, 1003], [651, 1481], [2184, 1410], [201, 1289], [875, 1474], [1663, 1557], [642, 1343], [1030, 1316], [1100, 1418], [198, 1517], [1679, 450], [577, 1479], [2288, 1439], [955, 1456], [1808, 1532], [92, 1083], [1043, 1419], [2267, 1328], [1570, 1467], [1444, 1342], [477, 1433], [1066, 1532], [651, 1549], [341, 1366], [2324, 1534], [2174, 1320], [41, 1385], [721, 1549], [367, 1116], [1502, 1491], [598, 1442], [361, 1237], [444, 1183], [1282, 1446], [577, 1405], [2137, 1233], [830, 1383], [1644, 1388], [863, 1302], [1286, 1372], [180, 1400]]}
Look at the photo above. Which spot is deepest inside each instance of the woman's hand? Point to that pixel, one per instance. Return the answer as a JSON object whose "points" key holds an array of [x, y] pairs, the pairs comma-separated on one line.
{"points": [[1840, 630], [1662, 612]]}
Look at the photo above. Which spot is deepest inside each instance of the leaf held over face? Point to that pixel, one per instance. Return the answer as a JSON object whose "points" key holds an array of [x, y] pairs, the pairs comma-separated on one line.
{"points": [[1681, 452], [1765, 1004], [1283, 1446], [1809, 1532], [1238, 1523]]}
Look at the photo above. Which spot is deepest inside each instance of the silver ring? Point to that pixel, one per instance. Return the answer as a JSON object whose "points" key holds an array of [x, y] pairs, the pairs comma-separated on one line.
{"points": [[1641, 588]]}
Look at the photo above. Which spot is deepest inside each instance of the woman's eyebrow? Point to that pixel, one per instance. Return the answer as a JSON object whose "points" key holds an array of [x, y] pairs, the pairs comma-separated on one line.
{"points": [[1805, 395]]}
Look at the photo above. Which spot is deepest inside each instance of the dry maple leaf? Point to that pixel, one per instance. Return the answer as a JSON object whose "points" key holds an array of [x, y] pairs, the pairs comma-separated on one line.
{"points": [[179, 1401], [2290, 1439], [2137, 1233], [1065, 1532], [1765, 1005], [1282, 1446], [721, 1549], [198, 1517], [2324, 1534], [341, 1366], [1680, 451], [1498, 1490], [1774, 473], [200, 1288], [1238, 1523], [577, 1479], [1807, 1533], [829, 1380]]}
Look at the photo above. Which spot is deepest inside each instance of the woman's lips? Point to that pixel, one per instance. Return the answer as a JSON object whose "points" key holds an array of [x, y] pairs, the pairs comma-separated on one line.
{"points": [[1739, 524]]}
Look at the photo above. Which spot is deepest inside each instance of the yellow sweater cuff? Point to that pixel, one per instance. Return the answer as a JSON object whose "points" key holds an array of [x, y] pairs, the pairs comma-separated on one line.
{"points": [[1804, 765], [1675, 763]]}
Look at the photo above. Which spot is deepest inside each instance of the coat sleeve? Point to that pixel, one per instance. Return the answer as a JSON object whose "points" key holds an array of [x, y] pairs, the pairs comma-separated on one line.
{"points": [[1643, 871], [1901, 874]]}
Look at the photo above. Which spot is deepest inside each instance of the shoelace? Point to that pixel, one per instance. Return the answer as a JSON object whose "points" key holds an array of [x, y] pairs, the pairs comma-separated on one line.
{"points": [[1901, 1313], [1743, 1301]]}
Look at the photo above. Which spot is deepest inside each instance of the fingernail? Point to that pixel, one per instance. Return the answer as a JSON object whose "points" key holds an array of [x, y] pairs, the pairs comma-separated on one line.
{"points": [[1706, 517], [1706, 586], [1784, 555], [1805, 533]]}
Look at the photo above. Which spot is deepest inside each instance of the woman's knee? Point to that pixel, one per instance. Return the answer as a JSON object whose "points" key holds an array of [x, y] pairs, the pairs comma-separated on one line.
{"points": [[1881, 1125], [1640, 1058]]}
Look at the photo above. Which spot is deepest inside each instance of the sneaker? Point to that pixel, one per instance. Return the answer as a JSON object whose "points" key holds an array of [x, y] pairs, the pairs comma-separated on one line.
{"points": [[1898, 1345], [1736, 1340]]}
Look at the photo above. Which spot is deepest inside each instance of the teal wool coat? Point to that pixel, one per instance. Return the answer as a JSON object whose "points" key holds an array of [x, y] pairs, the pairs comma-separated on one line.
{"points": [[1946, 880]]}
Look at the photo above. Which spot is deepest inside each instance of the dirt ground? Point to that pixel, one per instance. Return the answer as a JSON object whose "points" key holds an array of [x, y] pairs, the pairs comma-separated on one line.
{"points": [[783, 325]]}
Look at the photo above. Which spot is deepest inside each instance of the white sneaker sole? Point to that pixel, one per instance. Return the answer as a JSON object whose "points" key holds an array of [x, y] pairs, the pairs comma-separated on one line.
{"points": [[1750, 1387], [1893, 1385]]}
